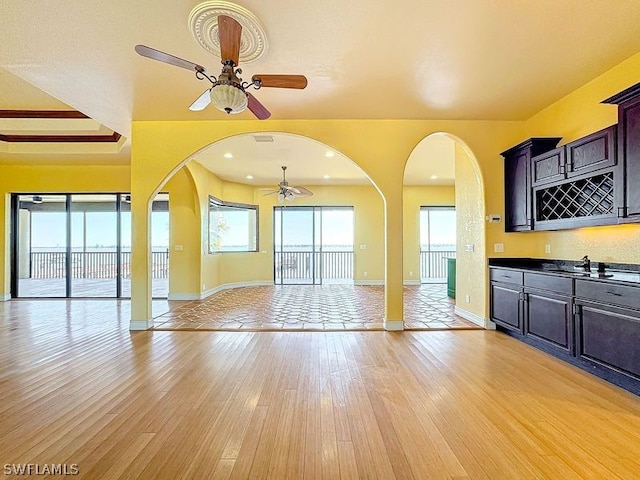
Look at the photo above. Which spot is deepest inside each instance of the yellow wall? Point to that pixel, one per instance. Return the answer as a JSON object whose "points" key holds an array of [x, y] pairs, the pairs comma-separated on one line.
{"points": [[184, 231], [413, 198], [471, 276]]}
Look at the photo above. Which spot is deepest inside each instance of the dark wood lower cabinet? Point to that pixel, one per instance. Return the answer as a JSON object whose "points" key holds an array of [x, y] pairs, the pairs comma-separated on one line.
{"points": [[549, 317], [610, 337], [506, 306]]}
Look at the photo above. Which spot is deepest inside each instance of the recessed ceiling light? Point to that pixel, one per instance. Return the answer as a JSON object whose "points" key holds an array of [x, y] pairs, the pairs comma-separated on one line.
{"points": [[329, 154], [228, 155], [326, 176], [249, 177], [433, 177]]}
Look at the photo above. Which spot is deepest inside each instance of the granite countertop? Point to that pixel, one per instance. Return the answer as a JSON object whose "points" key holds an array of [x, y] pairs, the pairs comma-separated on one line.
{"points": [[614, 272]]}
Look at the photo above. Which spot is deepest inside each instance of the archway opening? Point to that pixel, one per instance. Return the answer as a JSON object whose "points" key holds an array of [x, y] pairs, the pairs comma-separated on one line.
{"points": [[236, 183], [443, 237]]}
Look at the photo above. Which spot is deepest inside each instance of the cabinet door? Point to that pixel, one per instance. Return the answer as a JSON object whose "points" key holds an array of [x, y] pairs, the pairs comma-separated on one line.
{"points": [[517, 193], [630, 152], [591, 153], [506, 306], [609, 337], [548, 167], [550, 318]]}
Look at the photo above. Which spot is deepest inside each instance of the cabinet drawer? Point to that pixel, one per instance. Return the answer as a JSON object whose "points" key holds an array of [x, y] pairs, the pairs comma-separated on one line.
{"points": [[623, 295], [549, 282], [505, 276]]}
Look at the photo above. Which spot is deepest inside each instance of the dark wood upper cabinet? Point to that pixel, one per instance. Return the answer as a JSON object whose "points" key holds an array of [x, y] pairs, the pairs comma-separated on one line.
{"points": [[517, 181], [548, 167], [585, 155], [592, 153], [628, 102]]}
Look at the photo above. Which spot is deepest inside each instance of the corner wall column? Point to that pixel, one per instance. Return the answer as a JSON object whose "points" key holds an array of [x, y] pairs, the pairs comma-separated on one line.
{"points": [[393, 292], [141, 313]]}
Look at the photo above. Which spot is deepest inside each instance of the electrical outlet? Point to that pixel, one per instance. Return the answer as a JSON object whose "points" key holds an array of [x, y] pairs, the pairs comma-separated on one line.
{"points": [[498, 247], [411, 274], [469, 248], [467, 298], [547, 248], [364, 274]]}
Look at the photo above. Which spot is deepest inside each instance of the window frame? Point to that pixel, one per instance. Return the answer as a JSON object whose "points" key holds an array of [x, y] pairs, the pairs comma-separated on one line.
{"points": [[214, 201]]}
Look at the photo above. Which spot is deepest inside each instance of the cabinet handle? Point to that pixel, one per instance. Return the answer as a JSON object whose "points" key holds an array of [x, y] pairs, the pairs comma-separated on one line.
{"points": [[615, 294]]}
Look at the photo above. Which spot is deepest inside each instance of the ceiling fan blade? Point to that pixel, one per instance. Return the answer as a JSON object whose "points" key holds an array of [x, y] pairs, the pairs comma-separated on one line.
{"points": [[281, 81], [154, 54], [257, 108], [271, 193], [229, 33], [201, 102], [304, 192]]}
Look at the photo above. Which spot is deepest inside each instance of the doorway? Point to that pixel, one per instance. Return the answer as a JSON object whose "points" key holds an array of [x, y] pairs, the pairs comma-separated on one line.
{"points": [[313, 245], [437, 242]]}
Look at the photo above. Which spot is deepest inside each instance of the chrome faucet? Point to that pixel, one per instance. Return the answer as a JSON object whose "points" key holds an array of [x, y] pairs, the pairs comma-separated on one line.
{"points": [[586, 264]]}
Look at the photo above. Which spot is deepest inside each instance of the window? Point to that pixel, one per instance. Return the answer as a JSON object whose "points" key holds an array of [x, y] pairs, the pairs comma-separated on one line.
{"points": [[233, 227]]}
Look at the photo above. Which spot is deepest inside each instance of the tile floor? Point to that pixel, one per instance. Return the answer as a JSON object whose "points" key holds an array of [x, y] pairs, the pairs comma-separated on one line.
{"points": [[306, 307]]}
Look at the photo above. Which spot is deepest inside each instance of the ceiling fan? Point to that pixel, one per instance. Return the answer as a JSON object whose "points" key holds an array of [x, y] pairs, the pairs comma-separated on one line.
{"points": [[287, 192], [228, 92]]}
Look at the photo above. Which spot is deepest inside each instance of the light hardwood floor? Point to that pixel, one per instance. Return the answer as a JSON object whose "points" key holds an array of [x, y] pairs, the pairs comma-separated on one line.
{"points": [[77, 387]]}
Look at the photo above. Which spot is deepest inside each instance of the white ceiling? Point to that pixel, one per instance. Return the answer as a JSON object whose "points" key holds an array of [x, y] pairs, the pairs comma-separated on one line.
{"points": [[410, 59]]}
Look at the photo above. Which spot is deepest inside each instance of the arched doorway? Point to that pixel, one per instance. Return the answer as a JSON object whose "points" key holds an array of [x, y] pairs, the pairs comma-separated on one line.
{"points": [[443, 236], [235, 178]]}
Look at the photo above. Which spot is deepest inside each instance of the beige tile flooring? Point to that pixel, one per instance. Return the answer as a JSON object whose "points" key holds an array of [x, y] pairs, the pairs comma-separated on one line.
{"points": [[308, 307]]}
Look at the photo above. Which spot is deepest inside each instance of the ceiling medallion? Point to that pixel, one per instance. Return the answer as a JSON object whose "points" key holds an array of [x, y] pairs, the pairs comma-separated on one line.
{"points": [[203, 25]]}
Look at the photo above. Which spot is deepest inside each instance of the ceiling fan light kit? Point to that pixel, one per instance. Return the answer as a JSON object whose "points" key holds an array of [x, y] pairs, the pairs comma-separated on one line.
{"points": [[228, 97], [228, 92]]}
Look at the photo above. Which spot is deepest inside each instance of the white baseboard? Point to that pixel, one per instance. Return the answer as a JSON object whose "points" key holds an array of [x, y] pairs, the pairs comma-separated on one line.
{"points": [[472, 317], [412, 282], [368, 282], [140, 324], [393, 325], [219, 288]]}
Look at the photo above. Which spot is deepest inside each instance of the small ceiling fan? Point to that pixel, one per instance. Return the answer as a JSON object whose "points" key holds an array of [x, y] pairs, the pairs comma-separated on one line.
{"points": [[228, 92], [287, 192]]}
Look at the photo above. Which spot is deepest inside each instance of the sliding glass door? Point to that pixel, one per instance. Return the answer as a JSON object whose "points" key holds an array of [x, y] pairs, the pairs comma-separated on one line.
{"points": [[94, 245], [313, 245], [79, 245], [42, 252], [437, 242]]}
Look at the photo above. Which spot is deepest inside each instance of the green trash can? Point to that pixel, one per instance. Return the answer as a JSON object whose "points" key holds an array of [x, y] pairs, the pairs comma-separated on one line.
{"points": [[451, 277]]}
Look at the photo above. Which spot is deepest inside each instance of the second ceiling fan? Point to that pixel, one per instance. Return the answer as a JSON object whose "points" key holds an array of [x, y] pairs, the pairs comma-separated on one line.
{"points": [[228, 91]]}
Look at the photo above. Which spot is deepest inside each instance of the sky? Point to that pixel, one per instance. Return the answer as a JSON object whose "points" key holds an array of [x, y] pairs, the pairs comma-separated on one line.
{"points": [[48, 230]]}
